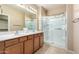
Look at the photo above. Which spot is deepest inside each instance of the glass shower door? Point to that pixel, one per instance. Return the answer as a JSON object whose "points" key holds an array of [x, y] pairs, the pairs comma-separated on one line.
{"points": [[54, 28], [58, 30]]}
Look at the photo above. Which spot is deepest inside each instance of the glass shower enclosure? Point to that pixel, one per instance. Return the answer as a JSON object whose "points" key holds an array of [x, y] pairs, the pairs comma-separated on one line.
{"points": [[55, 29]]}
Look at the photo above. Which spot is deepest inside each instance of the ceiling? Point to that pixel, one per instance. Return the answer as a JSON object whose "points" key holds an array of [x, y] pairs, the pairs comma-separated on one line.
{"points": [[51, 6]]}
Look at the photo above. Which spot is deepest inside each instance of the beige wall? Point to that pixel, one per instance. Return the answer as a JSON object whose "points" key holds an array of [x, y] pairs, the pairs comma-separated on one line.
{"points": [[76, 28], [43, 11], [57, 10], [16, 17], [73, 28]]}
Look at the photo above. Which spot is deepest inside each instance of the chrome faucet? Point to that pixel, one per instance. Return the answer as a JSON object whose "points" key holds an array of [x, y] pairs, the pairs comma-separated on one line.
{"points": [[16, 32]]}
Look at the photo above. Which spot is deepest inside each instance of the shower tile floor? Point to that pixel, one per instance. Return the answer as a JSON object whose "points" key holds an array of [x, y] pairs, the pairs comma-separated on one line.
{"points": [[48, 49], [56, 44]]}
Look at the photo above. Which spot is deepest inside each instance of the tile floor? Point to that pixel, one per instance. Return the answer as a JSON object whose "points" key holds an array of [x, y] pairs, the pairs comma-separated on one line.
{"points": [[48, 49]]}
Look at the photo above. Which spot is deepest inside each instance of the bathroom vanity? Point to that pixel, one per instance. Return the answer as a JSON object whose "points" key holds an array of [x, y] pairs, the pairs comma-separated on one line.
{"points": [[21, 43]]}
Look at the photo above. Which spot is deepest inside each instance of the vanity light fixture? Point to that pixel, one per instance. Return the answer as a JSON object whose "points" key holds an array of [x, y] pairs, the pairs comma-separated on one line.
{"points": [[28, 8]]}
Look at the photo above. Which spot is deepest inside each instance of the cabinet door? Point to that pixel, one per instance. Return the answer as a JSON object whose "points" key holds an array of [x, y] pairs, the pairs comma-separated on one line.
{"points": [[28, 46], [36, 43], [14, 49], [41, 40], [1, 47]]}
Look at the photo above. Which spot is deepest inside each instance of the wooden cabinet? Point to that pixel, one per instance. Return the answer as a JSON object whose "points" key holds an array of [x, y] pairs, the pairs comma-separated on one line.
{"points": [[28, 45], [36, 42], [25, 44], [14, 49], [1, 47]]}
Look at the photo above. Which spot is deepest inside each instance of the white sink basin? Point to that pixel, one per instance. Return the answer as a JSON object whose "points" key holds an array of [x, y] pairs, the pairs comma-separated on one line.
{"points": [[13, 34], [24, 32]]}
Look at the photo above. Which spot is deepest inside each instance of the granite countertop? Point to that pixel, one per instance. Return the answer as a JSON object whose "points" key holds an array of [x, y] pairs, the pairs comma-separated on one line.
{"points": [[12, 35]]}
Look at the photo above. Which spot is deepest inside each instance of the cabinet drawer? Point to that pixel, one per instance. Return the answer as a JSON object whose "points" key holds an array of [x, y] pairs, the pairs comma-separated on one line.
{"points": [[40, 34], [1, 47], [36, 35], [23, 39], [11, 42], [14, 49], [30, 37]]}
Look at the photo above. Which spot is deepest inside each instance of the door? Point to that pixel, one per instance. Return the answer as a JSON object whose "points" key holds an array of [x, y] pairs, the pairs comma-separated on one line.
{"points": [[57, 32], [54, 28]]}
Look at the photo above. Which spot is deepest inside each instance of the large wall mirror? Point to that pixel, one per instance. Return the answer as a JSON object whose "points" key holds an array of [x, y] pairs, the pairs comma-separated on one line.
{"points": [[17, 17]]}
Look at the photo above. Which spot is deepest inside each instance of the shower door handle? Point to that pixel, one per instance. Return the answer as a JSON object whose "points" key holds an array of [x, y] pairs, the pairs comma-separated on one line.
{"points": [[58, 29]]}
